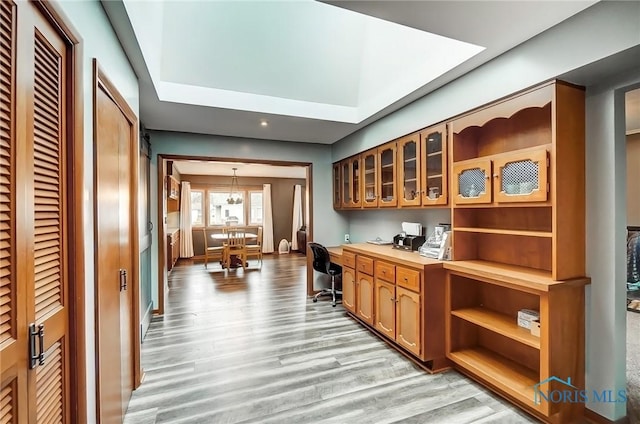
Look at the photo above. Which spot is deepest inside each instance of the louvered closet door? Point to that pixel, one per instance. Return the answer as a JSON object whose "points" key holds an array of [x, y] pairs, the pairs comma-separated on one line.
{"points": [[13, 341], [33, 245]]}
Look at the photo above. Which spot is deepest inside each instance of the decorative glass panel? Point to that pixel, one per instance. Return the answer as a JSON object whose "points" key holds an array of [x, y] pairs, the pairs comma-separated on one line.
{"points": [[434, 143], [471, 182], [355, 175], [520, 177], [369, 178], [386, 166]]}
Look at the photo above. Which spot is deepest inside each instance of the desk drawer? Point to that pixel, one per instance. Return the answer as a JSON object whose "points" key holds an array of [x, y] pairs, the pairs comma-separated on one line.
{"points": [[408, 278], [386, 271], [364, 264], [348, 259]]}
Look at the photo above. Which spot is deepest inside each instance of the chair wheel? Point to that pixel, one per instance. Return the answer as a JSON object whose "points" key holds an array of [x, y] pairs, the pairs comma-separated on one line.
{"points": [[334, 305], [315, 300]]}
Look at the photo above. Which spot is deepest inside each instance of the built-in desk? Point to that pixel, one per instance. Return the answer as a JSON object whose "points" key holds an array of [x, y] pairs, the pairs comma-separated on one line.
{"points": [[399, 295]]}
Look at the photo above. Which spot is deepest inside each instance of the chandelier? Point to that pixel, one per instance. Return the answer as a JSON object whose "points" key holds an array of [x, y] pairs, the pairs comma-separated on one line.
{"points": [[234, 183]]}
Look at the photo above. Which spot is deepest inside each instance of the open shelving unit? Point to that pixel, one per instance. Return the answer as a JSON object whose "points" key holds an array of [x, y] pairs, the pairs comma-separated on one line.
{"points": [[517, 190]]}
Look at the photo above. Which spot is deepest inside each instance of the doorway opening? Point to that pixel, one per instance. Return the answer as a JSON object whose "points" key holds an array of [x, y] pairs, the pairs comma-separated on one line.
{"points": [[210, 190], [632, 132]]}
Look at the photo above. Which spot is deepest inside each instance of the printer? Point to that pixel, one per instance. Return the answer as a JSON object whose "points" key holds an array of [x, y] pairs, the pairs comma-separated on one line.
{"points": [[410, 238]]}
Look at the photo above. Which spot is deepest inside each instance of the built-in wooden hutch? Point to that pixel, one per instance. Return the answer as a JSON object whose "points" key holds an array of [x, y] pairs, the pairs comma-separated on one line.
{"points": [[512, 173]]}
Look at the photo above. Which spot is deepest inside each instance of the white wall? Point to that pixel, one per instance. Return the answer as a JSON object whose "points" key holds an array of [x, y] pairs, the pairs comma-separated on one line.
{"points": [[328, 225], [98, 41]]}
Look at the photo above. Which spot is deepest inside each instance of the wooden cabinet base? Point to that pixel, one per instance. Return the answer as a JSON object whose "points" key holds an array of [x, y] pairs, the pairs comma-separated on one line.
{"points": [[432, 366]]}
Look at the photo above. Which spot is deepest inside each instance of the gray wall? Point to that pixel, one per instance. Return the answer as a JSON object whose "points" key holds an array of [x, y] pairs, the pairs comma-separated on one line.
{"points": [[281, 199], [328, 225]]}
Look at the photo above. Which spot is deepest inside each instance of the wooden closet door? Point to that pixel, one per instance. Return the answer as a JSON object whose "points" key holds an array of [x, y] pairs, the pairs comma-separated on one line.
{"points": [[115, 136], [33, 215], [13, 327]]}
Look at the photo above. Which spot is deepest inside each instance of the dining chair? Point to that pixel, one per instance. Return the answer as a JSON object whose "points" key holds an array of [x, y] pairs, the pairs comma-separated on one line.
{"points": [[236, 247], [211, 252], [254, 250]]}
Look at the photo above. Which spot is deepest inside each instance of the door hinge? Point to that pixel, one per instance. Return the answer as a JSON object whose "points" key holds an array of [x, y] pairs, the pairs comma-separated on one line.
{"points": [[36, 351]]}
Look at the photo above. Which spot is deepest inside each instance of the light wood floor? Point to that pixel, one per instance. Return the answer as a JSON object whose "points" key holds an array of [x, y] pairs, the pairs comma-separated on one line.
{"points": [[251, 347]]}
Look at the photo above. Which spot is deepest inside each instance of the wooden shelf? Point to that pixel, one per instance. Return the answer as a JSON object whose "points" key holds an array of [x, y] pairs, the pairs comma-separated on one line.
{"points": [[389, 165], [369, 171], [546, 234], [409, 180], [434, 176], [434, 154], [410, 160], [511, 275], [508, 376], [498, 323], [387, 184]]}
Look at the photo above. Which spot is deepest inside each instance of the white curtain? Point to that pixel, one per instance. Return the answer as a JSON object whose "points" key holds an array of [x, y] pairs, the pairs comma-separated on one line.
{"points": [[297, 217], [267, 220], [186, 237]]}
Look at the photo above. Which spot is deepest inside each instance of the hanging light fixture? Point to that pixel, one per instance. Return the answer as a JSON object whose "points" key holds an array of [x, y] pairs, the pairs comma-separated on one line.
{"points": [[234, 182]]}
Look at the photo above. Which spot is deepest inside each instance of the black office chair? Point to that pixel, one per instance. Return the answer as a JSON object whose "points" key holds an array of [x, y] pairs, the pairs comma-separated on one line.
{"points": [[322, 263]]}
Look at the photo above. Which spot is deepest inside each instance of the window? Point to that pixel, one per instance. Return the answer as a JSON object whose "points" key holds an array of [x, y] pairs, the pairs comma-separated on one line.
{"points": [[197, 208], [221, 212], [255, 207]]}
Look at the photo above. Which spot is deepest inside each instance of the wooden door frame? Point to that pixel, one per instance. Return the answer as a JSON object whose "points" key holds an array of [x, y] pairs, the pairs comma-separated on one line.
{"points": [[75, 196], [102, 82], [161, 202]]}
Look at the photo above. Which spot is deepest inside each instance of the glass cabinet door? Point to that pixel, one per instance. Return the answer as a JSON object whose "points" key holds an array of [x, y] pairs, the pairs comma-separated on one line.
{"points": [[434, 166], [521, 176], [408, 170], [369, 180], [344, 177], [337, 204], [387, 175], [472, 181], [354, 183]]}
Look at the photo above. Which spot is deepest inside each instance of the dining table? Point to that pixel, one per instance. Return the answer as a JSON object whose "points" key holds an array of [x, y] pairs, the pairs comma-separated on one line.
{"points": [[235, 261]]}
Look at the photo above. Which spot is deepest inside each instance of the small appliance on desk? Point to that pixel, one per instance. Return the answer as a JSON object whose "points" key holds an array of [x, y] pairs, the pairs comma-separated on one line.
{"points": [[410, 238]]}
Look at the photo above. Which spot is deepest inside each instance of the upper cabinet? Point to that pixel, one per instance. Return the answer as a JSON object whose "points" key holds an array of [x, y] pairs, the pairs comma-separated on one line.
{"points": [[518, 181], [173, 188], [433, 153], [337, 199], [387, 175], [409, 170], [501, 153], [370, 187], [349, 181]]}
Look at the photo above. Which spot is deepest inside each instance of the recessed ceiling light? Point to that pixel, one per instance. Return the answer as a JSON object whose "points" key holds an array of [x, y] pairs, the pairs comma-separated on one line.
{"points": [[264, 123]]}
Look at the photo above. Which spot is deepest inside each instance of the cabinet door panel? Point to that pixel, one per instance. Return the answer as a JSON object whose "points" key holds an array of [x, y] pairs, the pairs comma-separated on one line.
{"points": [[349, 289], [364, 295], [521, 177], [472, 181], [354, 182], [433, 153], [337, 203], [370, 190], [385, 312], [387, 175], [409, 170], [408, 322]]}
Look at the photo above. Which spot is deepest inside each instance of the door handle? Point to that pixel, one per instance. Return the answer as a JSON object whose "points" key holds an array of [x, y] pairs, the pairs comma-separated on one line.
{"points": [[123, 279], [36, 353]]}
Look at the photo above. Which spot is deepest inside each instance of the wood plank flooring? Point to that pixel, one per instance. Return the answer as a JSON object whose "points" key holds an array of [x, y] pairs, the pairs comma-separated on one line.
{"points": [[249, 346]]}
